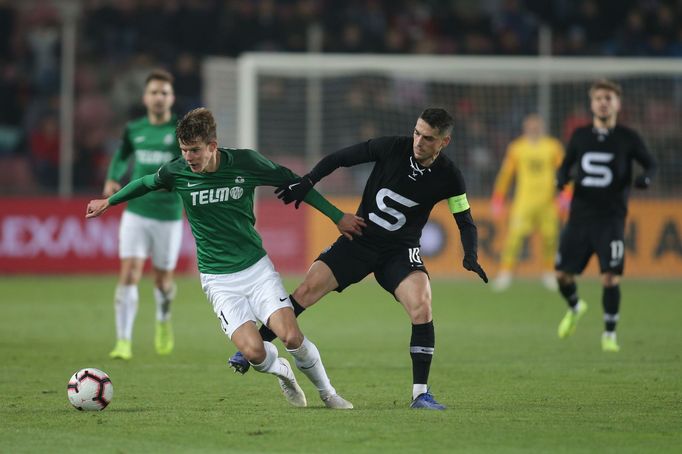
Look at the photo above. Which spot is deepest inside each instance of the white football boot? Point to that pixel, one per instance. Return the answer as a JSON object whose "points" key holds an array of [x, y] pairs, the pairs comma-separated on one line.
{"points": [[290, 387], [336, 402]]}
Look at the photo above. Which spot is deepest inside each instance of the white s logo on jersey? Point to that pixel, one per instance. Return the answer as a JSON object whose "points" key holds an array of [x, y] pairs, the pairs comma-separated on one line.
{"points": [[598, 175], [400, 218]]}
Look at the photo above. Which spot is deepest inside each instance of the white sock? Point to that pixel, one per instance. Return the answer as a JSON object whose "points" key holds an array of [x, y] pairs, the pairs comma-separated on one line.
{"points": [[418, 389], [125, 307], [163, 303], [308, 361], [270, 365]]}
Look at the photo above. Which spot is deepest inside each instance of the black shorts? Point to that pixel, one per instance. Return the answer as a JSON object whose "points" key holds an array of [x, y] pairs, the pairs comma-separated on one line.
{"points": [[351, 261], [604, 237]]}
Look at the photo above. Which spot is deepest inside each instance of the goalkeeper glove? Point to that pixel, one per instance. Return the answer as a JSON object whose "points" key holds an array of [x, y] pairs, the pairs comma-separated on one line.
{"points": [[470, 263], [294, 191], [642, 182]]}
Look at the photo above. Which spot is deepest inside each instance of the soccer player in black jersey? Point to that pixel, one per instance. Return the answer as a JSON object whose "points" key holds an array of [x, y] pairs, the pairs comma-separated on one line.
{"points": [[599, 160], [410, 176]]}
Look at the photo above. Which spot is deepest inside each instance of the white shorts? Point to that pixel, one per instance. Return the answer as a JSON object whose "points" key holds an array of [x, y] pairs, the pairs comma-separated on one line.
{"points": [[253, 294], [140, 237]]}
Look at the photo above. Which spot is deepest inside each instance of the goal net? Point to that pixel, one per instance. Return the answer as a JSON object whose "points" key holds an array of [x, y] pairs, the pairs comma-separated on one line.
{"points": [[295, 108]]}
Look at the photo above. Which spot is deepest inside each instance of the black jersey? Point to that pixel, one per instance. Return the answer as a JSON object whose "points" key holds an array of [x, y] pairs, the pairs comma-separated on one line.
{"points": [[399, 193], [600, 163]]}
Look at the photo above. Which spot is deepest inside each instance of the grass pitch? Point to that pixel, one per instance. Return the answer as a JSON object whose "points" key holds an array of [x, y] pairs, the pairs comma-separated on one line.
{"points": [[509, 383]]}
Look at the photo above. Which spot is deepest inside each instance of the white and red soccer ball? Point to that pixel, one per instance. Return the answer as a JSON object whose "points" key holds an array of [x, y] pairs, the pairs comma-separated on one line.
{"points": [[90, 389]]}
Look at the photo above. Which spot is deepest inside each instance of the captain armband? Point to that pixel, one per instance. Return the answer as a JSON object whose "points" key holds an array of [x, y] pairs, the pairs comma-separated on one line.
{"points": [[458, 203]]}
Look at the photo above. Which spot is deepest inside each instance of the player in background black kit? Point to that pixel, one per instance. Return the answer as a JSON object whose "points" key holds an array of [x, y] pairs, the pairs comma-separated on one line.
{"points": [[599, 160], [410, 176]]}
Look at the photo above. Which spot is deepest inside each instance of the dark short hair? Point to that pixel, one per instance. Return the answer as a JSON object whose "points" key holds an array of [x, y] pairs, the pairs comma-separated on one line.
{"points": [[439, 119], [159, 74], [606, 84], [197, 125]]}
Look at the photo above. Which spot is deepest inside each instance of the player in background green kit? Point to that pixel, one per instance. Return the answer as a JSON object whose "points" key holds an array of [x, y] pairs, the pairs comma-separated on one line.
{"points": [[150, 225], [217, 186]]}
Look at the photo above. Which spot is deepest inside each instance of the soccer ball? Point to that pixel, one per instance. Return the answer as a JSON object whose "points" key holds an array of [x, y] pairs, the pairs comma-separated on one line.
{"points": [[90, 389]]}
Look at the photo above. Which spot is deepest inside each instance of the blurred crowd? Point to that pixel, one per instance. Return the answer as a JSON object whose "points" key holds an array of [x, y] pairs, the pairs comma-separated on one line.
{"points": [[119, 41]]}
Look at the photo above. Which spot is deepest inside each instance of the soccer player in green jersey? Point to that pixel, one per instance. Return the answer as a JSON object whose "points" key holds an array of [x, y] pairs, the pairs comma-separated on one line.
{"points": [[150, 225], [216, 186]]}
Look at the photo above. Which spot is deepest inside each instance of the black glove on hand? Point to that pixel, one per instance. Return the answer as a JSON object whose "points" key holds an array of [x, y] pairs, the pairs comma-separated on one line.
{"points": [[294, 191], [471, 263], [642, 182]]}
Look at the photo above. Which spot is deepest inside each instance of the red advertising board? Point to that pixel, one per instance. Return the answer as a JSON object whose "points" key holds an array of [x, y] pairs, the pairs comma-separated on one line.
{"points": [[51, 235]]}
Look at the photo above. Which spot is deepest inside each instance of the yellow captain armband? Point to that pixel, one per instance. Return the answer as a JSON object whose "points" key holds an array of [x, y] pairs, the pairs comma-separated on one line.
{"points": [[458, 203]]}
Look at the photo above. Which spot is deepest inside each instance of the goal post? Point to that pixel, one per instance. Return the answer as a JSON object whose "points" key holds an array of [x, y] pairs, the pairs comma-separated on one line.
{"points": [[298, 107]]}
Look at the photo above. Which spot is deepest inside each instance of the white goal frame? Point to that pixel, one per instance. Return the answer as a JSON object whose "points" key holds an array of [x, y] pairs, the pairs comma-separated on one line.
{"points": [[540, 70]]}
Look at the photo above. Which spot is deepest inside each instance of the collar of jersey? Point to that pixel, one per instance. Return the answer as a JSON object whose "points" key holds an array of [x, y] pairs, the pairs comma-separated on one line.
{"points": [[173, 121], [414, 160], [227, 158], [602, 131]]}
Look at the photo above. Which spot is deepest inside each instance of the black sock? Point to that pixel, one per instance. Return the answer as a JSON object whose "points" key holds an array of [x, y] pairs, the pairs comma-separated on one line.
{"points": [[267, 334], [421, 350], [570, 293], [611, 304]]}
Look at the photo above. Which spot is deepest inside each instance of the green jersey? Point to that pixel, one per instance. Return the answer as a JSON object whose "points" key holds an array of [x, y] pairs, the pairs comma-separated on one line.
{"points": [[151, 146], [219, 205]]}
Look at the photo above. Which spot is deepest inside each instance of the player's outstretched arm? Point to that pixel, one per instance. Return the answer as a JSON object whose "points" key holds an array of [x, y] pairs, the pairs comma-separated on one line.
{"points": [[348, 224], [96, 208], [351, 225], [297, 189], [132, 190]]}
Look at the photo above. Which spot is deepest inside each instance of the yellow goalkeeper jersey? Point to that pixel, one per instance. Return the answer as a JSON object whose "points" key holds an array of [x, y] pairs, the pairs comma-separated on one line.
{"points": [[534, 165]]}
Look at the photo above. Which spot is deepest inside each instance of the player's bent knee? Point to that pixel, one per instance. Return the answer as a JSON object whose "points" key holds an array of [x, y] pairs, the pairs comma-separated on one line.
{"points": [[292, 339], [610, 280], [564, 278], [163, 281], [421, 312], [419, 318], [254, 353]]}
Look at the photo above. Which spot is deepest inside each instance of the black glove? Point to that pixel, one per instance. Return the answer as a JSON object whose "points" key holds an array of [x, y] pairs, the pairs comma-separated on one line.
{"points": [[642, 182], [471, 263], [294, 191]]}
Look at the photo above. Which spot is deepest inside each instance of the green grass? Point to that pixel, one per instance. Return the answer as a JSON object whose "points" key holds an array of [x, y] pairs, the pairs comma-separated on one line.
{"points": [[509, 383]]}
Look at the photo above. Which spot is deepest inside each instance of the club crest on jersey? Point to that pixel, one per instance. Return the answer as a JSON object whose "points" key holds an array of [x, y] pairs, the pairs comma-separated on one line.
{"points": [[216, 195], [168, 139], [417, 170], [239, 180]]}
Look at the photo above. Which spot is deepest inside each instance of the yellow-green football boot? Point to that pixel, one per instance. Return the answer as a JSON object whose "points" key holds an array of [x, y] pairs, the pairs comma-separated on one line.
{"points": [[570, 321], [122, 350], [609, 344], [163, 338]]}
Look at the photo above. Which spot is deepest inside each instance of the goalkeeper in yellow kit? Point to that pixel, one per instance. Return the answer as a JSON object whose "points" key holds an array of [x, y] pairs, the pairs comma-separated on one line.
{"points": [[532, 159]]}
